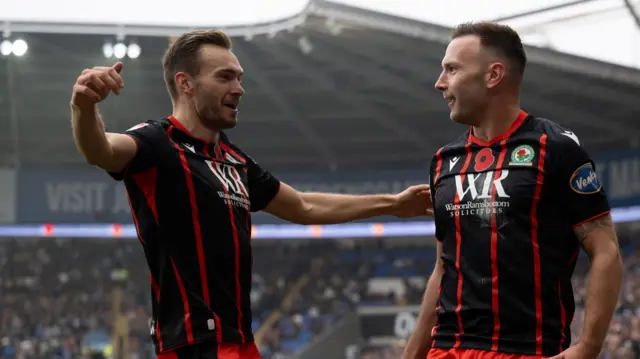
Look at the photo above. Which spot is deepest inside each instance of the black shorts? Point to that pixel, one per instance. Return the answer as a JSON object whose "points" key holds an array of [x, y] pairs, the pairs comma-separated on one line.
{"points": [[208, 350]]}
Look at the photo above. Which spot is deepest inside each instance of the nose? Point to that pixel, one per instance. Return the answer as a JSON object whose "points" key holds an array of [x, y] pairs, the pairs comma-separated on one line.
{"points": [[440, 83], [237, 90]]}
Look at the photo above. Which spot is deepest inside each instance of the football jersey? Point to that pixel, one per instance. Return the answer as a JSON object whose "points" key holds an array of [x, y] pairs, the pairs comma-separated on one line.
{"points": [[504, 212], [191, 202]]}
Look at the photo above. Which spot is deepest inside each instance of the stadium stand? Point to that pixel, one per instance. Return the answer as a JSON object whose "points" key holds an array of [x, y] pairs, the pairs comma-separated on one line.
{"points": [[328, 96], [59, 296]]}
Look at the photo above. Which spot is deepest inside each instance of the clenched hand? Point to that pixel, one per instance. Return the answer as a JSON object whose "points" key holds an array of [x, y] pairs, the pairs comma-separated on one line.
{"points": [[95, 84]]}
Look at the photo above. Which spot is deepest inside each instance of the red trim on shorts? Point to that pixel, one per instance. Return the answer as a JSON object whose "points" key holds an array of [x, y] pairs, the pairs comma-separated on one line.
{"points": [[168, 355], [440, 353]]}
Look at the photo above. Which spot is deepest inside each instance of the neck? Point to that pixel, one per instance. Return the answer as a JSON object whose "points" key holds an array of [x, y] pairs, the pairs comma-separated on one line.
{"points": [[497, 119], [191, 121]]}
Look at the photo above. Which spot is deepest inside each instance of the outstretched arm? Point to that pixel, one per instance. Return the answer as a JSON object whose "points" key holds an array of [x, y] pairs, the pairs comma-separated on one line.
{"points": [[327, 208]]}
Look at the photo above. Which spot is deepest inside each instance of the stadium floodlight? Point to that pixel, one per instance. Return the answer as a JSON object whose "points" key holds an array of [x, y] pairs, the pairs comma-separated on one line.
{"points": [[20, 47], [133, 51], [6, 48], [107, 50], [119, 50]]}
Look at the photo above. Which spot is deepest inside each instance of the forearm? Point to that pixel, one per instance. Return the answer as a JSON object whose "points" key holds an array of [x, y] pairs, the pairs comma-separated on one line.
{"points": [[326, 208], [89, 134], [603, 288], [420, 341]]}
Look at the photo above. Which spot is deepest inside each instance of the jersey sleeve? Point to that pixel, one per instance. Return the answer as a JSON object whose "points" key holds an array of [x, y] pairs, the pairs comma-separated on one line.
{"points": [[144, 135], [263, 186], [579, 188]]}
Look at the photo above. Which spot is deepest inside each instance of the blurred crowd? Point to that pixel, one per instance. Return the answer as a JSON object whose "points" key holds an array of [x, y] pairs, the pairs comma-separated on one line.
{"points": [[58, 297]]}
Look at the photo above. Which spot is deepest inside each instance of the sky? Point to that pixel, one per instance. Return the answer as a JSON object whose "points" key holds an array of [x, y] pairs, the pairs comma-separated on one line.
{"points": [[599, 29]]}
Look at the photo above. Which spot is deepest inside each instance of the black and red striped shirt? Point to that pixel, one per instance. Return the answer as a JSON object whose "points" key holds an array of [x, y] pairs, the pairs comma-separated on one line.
{"points": [[505, 212], [191, 202]]}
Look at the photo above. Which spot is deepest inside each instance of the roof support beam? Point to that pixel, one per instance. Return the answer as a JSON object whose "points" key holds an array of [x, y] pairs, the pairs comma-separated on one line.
{"points": [[297, 120]]}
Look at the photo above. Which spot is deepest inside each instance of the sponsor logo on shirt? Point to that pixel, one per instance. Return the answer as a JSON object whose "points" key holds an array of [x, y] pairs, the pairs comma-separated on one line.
{"points": [[234, 192], [480, 195], [584, 180]]}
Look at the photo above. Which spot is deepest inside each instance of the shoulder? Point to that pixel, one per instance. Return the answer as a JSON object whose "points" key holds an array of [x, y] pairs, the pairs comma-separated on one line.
{"points": [[557, 137], [149, 128], [454, 148]]}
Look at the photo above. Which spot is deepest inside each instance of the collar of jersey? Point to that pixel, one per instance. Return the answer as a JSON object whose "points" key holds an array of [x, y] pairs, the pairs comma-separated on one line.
{"points": [[177, 124], [514, 126]]}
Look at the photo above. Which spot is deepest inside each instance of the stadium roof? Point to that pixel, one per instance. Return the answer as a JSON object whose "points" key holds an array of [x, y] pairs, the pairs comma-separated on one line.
{"points": [[335, 93]]}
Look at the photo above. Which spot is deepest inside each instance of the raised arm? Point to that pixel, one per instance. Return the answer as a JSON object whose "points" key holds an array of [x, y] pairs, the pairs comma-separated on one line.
{"points": [[109, 151]]}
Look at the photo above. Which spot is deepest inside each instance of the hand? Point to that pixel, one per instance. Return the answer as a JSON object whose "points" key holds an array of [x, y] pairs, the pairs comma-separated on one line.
{"points": [[413, 202], [94, 85], [578, 351]]}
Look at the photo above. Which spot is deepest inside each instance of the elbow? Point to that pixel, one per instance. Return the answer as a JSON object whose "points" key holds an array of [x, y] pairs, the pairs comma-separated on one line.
{"points": [[91, 160], [306, 217], [88, 159], [306, 213]]}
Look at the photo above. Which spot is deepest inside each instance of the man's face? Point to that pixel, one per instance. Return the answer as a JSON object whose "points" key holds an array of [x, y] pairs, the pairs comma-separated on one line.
{"points": [[462, 80], [217, 87]]}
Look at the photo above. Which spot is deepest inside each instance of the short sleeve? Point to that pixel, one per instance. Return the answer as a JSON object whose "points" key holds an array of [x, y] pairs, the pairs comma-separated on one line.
{"points": [[263, 186], [144, 135], [580, 190]]}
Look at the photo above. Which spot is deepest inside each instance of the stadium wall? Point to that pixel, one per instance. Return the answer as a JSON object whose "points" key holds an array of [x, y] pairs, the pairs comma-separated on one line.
{"points": [[7, 195], [88, 195]]}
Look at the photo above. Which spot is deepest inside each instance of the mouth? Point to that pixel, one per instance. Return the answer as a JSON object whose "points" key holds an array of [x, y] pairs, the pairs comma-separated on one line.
{"points": [[232, 106], [450, 100]]}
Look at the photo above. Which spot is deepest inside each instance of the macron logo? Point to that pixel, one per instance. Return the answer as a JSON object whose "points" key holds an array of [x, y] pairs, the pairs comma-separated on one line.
{"points": [[189, 147], [572, 136], [452, 162]]}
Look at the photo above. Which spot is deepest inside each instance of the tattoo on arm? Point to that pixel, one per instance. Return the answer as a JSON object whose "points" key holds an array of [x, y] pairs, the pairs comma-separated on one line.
{"points": [[583, 231]]}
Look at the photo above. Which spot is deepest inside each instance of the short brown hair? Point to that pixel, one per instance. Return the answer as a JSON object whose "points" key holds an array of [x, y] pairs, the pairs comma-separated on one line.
{"points": [[500, 38], [182, 55]]}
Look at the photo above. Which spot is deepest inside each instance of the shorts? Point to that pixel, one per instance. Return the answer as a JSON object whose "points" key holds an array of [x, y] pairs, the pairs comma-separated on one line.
{"points": [[439, 353], [207, 350]]}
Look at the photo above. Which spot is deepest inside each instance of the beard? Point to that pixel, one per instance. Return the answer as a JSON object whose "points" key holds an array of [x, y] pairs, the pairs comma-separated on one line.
{"points": [[214, 116]]}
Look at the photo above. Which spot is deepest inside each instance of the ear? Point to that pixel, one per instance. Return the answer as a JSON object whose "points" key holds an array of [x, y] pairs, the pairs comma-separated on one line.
{"points": [[184, 83], [496, 74]]}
